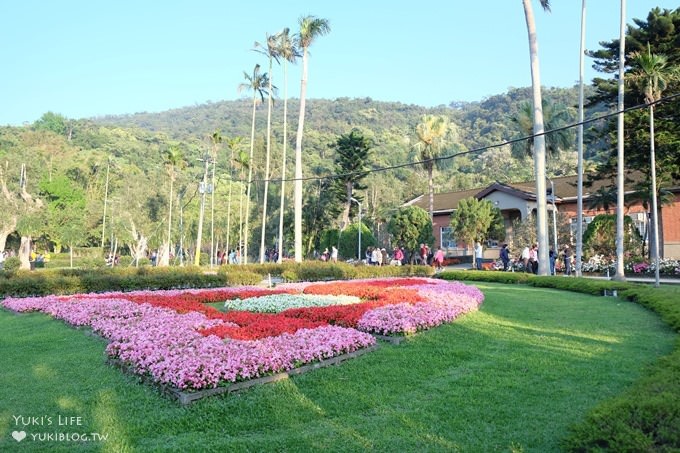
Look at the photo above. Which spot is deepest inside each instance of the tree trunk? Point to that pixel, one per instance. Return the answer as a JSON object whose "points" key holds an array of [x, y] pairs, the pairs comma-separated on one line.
{"points": [[348, 206], [164, 258], [655, 210], [283, 157], [579, 146], [25, 252], [539, 144], [430, 190], [298, 162], [266, 166], [620, 187], [244, 258]]}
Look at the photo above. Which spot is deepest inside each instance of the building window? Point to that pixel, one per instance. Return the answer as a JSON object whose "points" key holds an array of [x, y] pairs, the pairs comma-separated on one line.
{"points": [[447, 240], [640, 221]]}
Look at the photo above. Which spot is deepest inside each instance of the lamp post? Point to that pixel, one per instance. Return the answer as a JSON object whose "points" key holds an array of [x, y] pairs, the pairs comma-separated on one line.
{"points": [[203, 187], [552, 193], [359, 246]]}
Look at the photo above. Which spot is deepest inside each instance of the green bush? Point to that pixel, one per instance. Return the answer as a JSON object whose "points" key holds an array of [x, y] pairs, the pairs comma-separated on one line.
{"points": [[11, 265]]}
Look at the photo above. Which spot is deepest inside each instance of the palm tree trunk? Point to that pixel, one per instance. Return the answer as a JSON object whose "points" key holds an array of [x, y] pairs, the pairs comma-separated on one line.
{"points": [[430, 189], [266, 166], [250, 183], [164, 259], [620, 275], [212, 213], [539, 144], [298, 162], [283, 158], [231, 181], [579, 146], [655, 211]]}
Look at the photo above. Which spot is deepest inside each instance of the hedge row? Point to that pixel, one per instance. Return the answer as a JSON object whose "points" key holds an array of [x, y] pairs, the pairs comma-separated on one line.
{"points": [[70, 281], [644, 418]]}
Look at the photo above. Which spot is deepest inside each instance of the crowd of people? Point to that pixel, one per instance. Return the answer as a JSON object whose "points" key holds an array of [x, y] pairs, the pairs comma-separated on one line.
{"points": [[528, 260]]}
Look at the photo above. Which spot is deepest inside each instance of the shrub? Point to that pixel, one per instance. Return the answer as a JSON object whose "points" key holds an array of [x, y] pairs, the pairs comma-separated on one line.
{"points": [[11, 265]]}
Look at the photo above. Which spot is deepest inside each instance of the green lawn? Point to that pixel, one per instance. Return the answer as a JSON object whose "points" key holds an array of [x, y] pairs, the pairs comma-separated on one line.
{"points": [[513, 376]]}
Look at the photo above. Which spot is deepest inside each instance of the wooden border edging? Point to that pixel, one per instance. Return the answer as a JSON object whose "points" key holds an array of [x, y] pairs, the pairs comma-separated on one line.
{"points": [[185, 398], [391, 339]]}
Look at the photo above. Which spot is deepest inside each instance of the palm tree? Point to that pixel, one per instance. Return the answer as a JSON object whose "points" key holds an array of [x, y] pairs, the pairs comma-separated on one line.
{"points": [[620, 185], [652, 75], [233, 144], [310, 28], [602, 199], [431, 133], [243, 163], [555, 116], [216, 139], [258, 83], [539, 140], [271, 51], [287, 50], [579, 145], [173, 159]]}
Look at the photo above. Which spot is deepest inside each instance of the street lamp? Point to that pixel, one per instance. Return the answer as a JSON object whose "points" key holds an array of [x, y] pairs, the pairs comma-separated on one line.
{"points": [[203, 188], [359, 246]]}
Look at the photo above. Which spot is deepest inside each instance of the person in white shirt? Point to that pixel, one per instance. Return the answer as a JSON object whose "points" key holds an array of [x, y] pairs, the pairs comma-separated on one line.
{"points": [[479, 254]]}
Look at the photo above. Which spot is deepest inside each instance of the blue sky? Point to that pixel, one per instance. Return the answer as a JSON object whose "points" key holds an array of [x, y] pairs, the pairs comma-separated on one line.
{"points": [[89, 58]]}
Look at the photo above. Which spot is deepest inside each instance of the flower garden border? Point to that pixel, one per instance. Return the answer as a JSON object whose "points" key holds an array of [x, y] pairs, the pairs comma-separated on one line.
{"points": [[186, 398], [396, 340]]}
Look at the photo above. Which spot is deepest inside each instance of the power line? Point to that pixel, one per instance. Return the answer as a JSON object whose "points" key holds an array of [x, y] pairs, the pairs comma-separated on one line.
{"points": [[474, 150]]}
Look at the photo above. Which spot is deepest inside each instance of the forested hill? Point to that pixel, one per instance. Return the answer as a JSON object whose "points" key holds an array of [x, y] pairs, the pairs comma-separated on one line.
{"points": [[128, 167], [390, 124]]}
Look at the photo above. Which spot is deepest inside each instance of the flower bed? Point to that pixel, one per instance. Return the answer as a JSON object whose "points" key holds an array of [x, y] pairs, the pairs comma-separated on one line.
{"points": [[175, 339]]}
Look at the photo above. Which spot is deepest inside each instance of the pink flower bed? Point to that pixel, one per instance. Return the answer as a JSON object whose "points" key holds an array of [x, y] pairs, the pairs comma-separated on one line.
{"points": [[167, 345]]}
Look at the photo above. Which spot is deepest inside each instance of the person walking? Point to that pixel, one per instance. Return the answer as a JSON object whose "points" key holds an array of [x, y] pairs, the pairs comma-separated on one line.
{"points": [[479, 254], [525, 258], [505, 256], [439, 259], [533, 258], [567, 261]]}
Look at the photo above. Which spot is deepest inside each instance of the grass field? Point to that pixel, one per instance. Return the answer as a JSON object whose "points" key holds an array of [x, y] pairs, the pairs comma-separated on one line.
{"points": [[512, 377]]}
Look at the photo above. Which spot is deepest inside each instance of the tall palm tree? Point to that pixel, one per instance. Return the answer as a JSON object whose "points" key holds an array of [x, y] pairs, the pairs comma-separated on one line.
{"points": [[257, 82], [579, 145], [651, 77], [216, 139], [271, 51], [173, 158], [431, 134], [539, 140], [311, 27], [234, 145], [620, 186], [289, 53], [243, 163]]}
